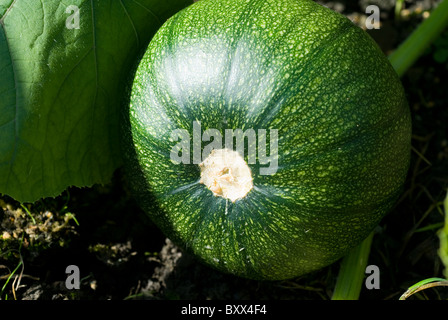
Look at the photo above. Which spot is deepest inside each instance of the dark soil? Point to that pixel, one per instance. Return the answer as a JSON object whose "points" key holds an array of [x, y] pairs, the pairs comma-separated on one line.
{"points": [[122, 255]]}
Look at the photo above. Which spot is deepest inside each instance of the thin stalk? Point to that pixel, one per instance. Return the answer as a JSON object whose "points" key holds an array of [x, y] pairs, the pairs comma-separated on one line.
{"points": [[416, 44], [9, 277], [29, 213], [351, 275], [398, 8], [424, 284]]}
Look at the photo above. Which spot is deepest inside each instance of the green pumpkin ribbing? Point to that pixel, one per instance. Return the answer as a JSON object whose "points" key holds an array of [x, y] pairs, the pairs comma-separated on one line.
{"points": [[342, 119]]}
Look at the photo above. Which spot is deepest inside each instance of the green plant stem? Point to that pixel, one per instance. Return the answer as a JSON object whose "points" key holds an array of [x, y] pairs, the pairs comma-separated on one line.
{"points": [[10, 276], [416, 44], [398, 8], [29, 213], [351, 275]]}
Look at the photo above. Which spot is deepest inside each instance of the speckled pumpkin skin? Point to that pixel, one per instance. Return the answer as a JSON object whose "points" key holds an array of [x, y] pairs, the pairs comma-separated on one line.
{"points": [[291, 65]]}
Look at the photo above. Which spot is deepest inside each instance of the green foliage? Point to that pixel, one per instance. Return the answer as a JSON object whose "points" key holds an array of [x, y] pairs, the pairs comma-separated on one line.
{"points": [[61, 88], [351, 275]]}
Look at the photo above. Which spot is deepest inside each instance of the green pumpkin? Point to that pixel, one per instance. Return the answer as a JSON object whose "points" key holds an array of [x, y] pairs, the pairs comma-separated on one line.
{"points": [[307, 120]]}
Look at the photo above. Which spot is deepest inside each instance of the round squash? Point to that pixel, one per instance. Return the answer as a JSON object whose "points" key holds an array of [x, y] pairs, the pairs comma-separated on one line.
{"points": [[266, 137]]}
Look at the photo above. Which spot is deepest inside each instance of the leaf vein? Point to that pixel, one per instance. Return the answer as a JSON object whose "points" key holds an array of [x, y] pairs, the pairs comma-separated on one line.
{"points": [[16, 111], [150, 11], [95, 60], [132, 23], [6, 12]]}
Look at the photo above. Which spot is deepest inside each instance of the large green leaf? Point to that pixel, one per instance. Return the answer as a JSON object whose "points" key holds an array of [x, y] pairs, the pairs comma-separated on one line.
{"points": [[61, 87]]}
